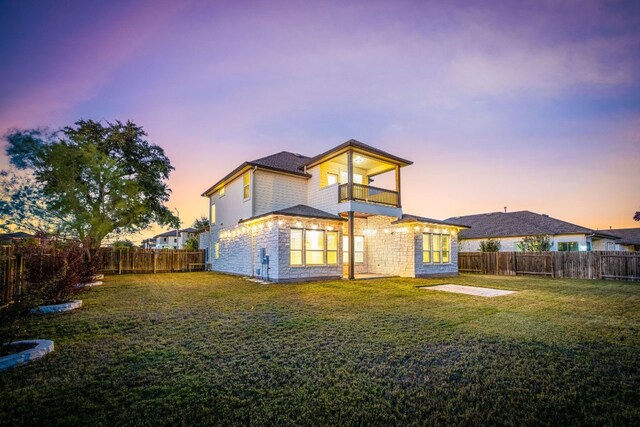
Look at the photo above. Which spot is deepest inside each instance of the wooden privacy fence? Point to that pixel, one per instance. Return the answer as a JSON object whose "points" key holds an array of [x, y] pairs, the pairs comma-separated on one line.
{"points": [[133, 260], [11, 268], [111, 261], [570, 265]]}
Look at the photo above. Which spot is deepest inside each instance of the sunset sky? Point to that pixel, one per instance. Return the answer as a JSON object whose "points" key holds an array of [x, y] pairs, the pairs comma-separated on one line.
{"points": [[529, 105]]}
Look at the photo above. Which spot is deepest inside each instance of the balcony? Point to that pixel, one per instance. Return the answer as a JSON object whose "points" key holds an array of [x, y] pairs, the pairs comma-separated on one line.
{"points": [[368, 194]]}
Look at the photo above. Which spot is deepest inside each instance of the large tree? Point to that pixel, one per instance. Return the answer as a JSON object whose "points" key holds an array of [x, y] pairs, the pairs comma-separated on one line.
{"points": [[94, 178]]}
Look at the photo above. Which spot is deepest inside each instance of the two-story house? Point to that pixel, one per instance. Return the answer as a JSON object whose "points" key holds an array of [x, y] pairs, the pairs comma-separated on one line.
{"points": [[173, 239], [307, 218]]}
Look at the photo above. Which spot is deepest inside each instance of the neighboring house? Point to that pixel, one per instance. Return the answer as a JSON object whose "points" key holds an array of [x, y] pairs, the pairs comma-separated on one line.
{"points": [[7, 238], [172, 239], [304, 218], [510, 228], [629, 239]]}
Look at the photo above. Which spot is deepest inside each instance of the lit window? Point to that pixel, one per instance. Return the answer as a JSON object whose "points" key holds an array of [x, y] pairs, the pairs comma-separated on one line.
{"points": [[446, 247], [332, 247], [357, 178], [426, 248], [246, 185], [332, 178], [314, 247], [213, 214], [221, 192], [358, 243], [436, 248], [217, 250], [296, 247]]}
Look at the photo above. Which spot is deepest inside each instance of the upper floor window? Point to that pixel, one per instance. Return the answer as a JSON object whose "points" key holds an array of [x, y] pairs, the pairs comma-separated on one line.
{"points": [[332, 178], [213, 213], [221, 192], [246, 185], [344, 178], [436, 248]]}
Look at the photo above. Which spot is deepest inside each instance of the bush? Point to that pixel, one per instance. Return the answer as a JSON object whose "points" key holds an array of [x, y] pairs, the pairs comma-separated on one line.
{"points": [[54, 269], [536, 243], [490, 245], [192, 244]]}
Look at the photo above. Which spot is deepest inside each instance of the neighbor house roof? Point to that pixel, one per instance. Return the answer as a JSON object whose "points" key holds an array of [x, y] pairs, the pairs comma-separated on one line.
{"points": [[406, 218], [521, 223], [170, 233], [352, 143], [298, 211], [16, 235], [284, 161], [628, 236], [189, 230]]}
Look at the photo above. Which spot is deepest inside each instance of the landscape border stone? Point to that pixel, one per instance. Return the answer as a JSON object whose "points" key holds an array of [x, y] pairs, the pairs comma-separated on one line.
{"points": [[42, 348]]}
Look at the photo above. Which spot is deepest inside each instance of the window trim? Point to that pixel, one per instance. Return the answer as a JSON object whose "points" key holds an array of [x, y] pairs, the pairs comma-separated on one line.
{"points": [[441, 251], [345, 249], [303, 250], [334, 175], [246, 186]]}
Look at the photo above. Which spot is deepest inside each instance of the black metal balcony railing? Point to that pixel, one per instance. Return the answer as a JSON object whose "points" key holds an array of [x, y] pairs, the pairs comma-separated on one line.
{"points": [[366, 193]]}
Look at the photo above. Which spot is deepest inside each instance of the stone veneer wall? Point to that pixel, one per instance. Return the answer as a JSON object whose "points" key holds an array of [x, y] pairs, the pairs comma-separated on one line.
{"points": [[424, 270], [289, 273], [389, 253]]}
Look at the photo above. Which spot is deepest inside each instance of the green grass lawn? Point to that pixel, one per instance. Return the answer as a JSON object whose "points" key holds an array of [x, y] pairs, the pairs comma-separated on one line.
{"points": [[198, 348]]}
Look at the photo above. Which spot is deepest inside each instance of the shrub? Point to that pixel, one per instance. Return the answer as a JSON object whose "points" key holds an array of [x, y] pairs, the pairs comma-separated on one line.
{"points": [[536, 243], [490, 245], [54, 269], [192, 244]]}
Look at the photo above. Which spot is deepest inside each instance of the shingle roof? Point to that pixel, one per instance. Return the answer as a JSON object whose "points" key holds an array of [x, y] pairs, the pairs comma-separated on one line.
{"points": [[15, 235], [628, 236], [361, 145], [283, 161], [406, 218], [301, 211], [511, 224]]}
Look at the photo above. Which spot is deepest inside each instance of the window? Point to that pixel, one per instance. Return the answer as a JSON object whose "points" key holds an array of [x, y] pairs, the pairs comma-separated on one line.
{"points": [[358, 250], [296, 247], [436, 248], [589, 246], [332, 247], [217, 250], [426, 248], [344, 178], [246, 185], [213, 214], [320, 247], [332, 178], [221, 191], [314, 247], [446, 247], [568, 246], [435, 253]]}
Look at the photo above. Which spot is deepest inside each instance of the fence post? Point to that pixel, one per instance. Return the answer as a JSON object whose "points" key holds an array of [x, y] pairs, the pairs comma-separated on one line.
{"points": [[155, 261], [120, 261]]}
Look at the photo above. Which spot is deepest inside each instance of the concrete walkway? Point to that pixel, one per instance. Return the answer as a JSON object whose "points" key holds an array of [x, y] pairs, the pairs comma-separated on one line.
{"points": [[468, 290]]}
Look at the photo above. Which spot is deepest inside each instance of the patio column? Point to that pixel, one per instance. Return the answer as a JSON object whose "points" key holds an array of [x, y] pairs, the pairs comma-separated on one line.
{"points": [[352, 245], [398, 185], [350, 174]]}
